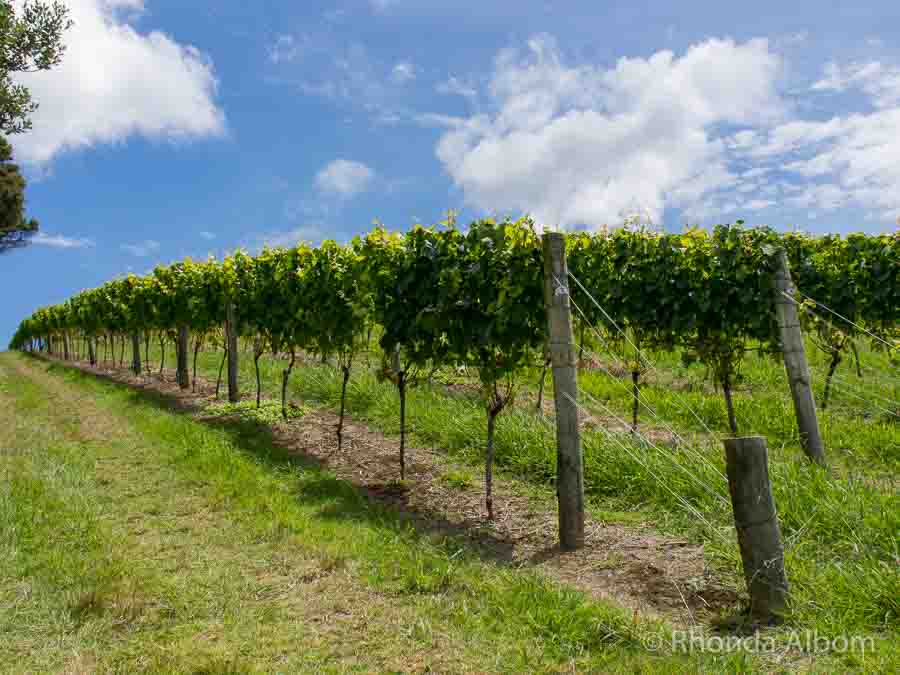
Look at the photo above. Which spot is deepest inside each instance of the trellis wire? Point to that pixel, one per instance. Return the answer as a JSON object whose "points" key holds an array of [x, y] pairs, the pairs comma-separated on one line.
{"points": [[640, 398], [651, 367], [668, 455], [840, 316], [683, 442], [681, 500]]}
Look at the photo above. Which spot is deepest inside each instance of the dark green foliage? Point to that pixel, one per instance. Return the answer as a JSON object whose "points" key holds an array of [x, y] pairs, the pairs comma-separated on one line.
{"points": [[856, 277], [15, 229], [444, 296], [29, 42]]}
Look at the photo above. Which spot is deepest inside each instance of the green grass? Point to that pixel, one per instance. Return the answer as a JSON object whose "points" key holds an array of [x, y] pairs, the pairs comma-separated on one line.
{"points": [[134, 538], [268, 412], [460, 480], [840, 526], [763, 405]]}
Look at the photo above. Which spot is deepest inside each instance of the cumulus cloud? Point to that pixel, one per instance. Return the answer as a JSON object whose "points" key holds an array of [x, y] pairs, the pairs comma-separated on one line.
{"points": [[344, 178], [707, 131], [142, 249], [115, 82], [60, 241], [583, 144]]}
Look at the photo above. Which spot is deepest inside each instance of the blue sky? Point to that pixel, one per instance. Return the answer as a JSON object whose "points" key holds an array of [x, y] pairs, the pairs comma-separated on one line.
{"points": [[178, 128]]}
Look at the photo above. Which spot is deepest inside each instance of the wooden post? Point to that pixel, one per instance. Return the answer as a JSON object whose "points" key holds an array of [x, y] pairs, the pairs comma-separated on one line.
{"points": [[569, 464], [136, 353], [234, 394], [182, 374], [756, 521], [795, 361]]}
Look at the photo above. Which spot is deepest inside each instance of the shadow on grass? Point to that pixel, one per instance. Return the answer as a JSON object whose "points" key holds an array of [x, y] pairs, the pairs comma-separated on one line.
{"points": [[384, 504]]}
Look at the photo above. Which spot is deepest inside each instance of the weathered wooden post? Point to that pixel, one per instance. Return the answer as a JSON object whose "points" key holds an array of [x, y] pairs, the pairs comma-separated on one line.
{"points": [[182, 374], [231, 331], [795, 363], [136, 353], [756, 521], [569, 464]]}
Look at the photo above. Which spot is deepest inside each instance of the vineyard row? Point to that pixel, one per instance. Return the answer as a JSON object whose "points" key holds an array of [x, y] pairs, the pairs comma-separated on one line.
{"points": [[476, 297]]}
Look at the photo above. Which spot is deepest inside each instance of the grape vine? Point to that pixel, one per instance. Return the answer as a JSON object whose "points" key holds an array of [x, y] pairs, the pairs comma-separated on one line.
{"points": [[446, 296]]}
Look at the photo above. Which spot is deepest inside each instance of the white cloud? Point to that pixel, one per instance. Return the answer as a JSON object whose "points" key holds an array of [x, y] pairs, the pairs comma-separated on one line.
{"points": [[745, 138], [583, 144], [60, 241], [755, 173], [323, 64], [403, 72], [310, 234], [881, 83], [142, 249], [758, 204], [707, 131], [438, 120], [115, 82], [850, 160], [342, 73], [209, 236], [344, 178], [454, 86]]}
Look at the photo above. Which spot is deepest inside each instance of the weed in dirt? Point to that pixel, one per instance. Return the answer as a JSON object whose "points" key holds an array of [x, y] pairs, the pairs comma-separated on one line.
{"points": [[459, 480], [269, 412]]}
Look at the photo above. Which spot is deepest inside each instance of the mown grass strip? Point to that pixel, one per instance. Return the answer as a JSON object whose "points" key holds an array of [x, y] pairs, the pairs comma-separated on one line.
{"points": [[507, 620]]}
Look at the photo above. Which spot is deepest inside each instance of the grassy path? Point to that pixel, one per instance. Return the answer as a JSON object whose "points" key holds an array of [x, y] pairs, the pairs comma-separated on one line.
{"points": [[136, 539]]}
